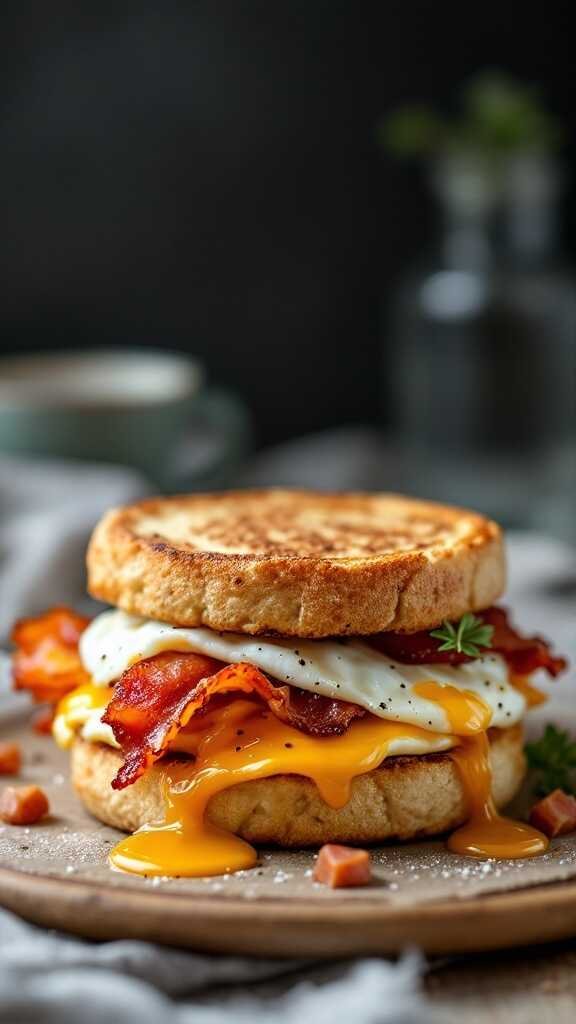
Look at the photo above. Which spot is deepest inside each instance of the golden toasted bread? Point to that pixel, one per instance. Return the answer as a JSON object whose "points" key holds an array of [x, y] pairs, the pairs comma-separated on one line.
{"points": [[404, 798], [296, 563]]}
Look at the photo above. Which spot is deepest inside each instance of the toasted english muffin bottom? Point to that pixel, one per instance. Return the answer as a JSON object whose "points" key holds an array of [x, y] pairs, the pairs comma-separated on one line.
{"points": [[405, 798]]}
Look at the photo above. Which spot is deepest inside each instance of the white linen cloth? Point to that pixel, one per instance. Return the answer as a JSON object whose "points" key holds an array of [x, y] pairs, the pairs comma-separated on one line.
{"points": [[46, 513], [52, 979]]}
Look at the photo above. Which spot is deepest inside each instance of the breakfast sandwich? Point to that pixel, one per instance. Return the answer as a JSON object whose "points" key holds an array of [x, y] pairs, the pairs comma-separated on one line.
{"points": [[290, 668]]}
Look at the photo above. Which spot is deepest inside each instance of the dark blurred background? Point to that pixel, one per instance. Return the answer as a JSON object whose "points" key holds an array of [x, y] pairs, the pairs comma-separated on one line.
{"points": [[206, 177]]}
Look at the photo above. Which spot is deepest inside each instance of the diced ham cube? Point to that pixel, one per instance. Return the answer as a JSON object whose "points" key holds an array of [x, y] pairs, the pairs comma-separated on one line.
{"points": [[10, 759], [23, 805], [342, 866], [555, 815], [42, 723]]}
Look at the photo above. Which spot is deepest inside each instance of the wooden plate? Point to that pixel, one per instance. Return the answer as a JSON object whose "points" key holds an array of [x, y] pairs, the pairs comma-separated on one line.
{"points": [[293, 929], [56, 874]]}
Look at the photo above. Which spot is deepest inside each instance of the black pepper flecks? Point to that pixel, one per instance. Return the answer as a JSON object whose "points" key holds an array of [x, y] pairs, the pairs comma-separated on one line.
{"points": [[289, 745], [301, 661], [237, 749]]}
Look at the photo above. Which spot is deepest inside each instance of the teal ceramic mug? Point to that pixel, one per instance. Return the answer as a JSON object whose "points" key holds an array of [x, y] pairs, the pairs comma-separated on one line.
{"points": [[129, 406]]}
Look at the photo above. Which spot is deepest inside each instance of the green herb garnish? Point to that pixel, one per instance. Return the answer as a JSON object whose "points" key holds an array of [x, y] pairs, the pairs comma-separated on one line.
{"points": [[466, 637], [496, 115], [553, 759]]}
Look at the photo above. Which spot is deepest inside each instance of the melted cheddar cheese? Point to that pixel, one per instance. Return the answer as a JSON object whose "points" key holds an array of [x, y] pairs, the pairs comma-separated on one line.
{"points": [[244, 741], [241, 743], [81, 708], [487, 833]]}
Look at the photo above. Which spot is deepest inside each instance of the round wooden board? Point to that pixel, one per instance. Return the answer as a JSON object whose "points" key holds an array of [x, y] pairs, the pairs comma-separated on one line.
{"points": [[56, 874], [276, 929]]}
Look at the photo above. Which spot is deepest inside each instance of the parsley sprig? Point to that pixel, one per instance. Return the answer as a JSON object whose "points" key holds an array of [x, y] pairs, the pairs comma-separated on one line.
{"points": [[466, 636], [553, 760]]}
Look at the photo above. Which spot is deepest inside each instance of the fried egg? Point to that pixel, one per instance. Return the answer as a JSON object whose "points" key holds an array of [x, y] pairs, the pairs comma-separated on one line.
{"points": [[347, 669]]}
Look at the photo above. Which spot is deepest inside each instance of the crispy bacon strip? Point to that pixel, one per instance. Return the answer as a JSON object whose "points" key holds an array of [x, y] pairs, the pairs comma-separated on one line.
{"points": [[46, 659], [311, 712], [523, 654], [158, 697]]}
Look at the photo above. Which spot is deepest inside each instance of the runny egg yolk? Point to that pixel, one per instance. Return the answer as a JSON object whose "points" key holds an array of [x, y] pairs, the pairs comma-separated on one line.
{"points": [[487, 833], [467, 713]]}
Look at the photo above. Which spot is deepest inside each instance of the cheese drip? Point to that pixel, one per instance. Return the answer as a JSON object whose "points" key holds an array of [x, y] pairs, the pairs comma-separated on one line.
{"points": [[244, 742], [83, 705], [487, 833]]}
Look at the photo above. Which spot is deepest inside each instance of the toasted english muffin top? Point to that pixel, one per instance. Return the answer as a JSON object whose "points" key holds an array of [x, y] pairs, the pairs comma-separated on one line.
{"points": [[296, 563]]}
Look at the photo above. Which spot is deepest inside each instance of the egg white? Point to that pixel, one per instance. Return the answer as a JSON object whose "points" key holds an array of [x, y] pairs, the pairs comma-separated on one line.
{"points": [[349, 669]]}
